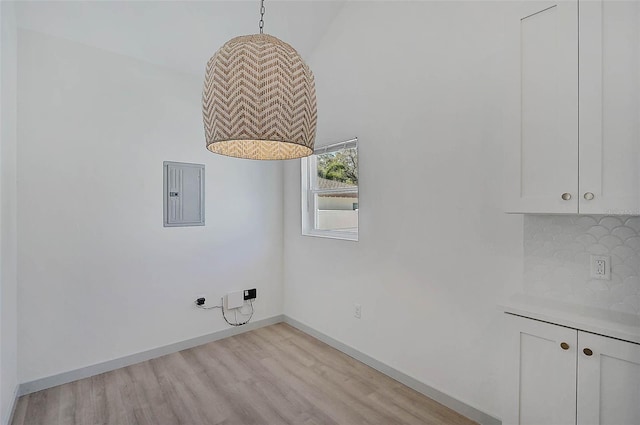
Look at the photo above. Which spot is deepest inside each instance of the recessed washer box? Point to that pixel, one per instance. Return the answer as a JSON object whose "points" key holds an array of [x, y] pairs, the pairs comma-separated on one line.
{"points": [[183, 194], [234, 300]]}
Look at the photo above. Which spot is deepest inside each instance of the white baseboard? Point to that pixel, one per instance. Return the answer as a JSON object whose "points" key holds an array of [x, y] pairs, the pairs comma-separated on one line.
{"points": [[442, 398], [9, 419], [85, 372]]}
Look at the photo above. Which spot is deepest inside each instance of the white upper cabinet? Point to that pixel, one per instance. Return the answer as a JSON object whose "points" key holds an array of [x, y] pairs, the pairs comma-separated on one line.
{"points": [[609, 107], [574, 108], [542, 159]]}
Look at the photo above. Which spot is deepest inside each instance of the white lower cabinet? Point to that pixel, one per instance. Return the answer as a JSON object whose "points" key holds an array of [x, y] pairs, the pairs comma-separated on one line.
{"points": [[608, 381], [541, 374], [557, 375]]}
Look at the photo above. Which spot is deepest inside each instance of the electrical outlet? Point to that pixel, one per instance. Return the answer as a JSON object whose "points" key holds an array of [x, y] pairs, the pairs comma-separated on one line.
{"points": [[357, 311], [250, 294], [601, 267]]}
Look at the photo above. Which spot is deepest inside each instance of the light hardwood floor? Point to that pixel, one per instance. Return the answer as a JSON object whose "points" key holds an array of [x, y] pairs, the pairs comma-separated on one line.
{"points": [[272, 375]]}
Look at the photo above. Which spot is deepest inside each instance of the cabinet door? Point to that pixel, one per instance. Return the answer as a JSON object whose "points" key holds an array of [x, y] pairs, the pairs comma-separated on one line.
{"points": [[608, 381], [542, 117], [541, 373], [609, 107]]}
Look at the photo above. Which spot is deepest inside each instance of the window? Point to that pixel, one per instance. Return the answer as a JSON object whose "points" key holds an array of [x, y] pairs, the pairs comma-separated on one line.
{"points": [[330, 191]]}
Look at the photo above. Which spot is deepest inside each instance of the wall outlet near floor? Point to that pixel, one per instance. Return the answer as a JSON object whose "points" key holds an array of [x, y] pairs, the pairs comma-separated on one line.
{"points": [[601, 267], [357, 311]]}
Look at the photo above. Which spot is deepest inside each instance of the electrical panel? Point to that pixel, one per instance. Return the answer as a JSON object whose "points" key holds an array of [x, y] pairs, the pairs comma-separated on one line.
{"points": [[183, 194]]}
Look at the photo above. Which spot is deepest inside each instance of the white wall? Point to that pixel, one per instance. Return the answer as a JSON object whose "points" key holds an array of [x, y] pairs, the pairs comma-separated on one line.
{"points": [[8, 231], [99, 277], [420, 85]]}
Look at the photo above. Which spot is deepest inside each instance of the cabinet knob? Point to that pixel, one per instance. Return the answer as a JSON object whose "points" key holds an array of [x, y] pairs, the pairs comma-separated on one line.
{"points": [[589, 196], [566, 196], [564, 346], [587, 352]]}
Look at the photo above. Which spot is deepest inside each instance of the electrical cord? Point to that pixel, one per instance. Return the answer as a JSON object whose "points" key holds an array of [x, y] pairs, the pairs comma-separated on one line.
{"points": [[235, 313], [206, 307], [201, 307]]}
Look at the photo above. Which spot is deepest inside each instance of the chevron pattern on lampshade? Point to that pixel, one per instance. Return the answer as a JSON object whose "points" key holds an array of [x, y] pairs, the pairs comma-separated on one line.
{"points": [[259, 100]]}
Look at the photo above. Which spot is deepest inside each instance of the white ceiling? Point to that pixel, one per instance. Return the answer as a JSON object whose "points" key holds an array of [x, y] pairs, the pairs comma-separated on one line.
{"points": [[181, 35]]}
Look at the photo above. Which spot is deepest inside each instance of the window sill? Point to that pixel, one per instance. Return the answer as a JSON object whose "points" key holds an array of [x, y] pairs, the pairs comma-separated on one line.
{"points": [[332, 234]]}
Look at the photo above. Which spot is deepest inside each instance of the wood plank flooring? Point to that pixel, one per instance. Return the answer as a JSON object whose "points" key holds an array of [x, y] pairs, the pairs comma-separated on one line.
{"points": [[273, 375]]}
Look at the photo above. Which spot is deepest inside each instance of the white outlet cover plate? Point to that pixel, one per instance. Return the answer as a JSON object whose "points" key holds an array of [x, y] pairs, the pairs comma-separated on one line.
{"points": [[601, 267], [357, 311]]}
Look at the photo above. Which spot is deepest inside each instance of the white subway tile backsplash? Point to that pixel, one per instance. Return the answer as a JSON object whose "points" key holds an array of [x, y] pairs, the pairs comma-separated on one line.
{"points": [[558, 253]]}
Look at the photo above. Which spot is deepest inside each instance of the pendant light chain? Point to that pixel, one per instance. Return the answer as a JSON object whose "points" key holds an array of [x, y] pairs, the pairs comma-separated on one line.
{"points": [[262, 10]]}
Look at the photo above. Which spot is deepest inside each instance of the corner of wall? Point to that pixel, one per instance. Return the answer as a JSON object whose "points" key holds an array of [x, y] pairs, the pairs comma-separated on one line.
{"points": [[8, 418], [8, 229]]}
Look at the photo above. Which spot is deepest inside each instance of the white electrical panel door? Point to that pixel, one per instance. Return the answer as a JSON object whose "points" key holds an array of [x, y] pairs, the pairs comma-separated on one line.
{"points": [[183, 194]]}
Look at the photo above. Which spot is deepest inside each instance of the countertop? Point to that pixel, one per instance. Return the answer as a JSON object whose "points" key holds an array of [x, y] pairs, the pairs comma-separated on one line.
{"points": [[604, 322]]}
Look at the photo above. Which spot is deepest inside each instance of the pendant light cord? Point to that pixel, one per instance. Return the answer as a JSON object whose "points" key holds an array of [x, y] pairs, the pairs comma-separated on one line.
{"points": [[262, 10]]}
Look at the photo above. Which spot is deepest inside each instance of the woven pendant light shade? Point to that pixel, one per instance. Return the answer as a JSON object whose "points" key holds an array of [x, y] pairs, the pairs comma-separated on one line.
{"points": [[259, 100]]}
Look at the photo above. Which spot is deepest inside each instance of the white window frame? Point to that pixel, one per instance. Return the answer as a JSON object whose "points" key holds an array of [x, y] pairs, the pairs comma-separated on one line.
{"points": [[310, 196]]}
